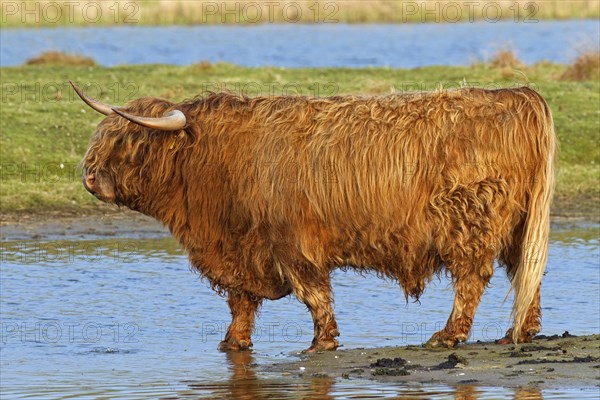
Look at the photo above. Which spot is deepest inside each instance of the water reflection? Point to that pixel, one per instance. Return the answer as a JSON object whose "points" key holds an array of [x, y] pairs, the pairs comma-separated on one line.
{"points": [[245, 383], [466, 392], [241, 365], [528, 393], [471, 392]]}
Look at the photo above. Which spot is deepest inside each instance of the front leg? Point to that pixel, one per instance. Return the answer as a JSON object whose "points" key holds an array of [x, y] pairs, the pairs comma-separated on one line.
{"points": [[315, 292], [243, 307]]}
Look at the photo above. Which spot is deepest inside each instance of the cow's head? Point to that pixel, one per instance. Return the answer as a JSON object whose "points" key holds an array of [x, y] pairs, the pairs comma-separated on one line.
{"points": [[129, 149]]}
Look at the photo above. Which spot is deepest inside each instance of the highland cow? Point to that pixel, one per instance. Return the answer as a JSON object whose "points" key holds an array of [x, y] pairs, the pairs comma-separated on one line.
{"points": [[269, 195]]}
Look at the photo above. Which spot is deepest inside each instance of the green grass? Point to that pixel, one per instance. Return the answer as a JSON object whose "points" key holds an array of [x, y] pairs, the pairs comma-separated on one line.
{"points": [[44, 124]]}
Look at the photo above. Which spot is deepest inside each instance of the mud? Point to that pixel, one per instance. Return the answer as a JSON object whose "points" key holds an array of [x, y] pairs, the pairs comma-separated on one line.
{"points": [[549, 362], [112, 223], [108, 221]]}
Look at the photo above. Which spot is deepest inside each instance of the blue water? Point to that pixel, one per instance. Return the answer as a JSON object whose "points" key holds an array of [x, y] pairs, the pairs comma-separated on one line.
{"points": [[123, 316], [289, 45]]}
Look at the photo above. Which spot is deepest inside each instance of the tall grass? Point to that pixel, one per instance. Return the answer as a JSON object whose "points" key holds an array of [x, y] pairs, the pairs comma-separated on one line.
{"points": [[505, 58], [586, 67], [188, 12]]}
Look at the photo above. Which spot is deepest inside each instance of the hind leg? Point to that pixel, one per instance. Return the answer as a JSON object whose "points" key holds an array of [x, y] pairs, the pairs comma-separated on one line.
{"points": [[243, 308], [468, 290], [532, 323], [316, 294], [473, 223]]}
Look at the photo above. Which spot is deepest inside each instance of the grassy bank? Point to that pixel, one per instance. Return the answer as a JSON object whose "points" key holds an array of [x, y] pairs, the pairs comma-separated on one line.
{"points": [[185, 12], [46, 128]]}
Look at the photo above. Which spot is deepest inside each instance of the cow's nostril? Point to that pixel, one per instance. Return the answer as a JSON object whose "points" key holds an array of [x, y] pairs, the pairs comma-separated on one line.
{"points": [[88, 181]]}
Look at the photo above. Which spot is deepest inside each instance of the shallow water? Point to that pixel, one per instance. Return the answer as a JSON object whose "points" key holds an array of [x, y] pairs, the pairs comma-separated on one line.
{"points": [[326, 45], [125, 317]]}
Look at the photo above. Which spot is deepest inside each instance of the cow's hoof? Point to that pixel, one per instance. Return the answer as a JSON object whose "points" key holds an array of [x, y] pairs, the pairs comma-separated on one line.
{"points": [[322, 345], [434, 343], [527, 337], [235, 345], [439, 341], [509, 340], [504, 340]]}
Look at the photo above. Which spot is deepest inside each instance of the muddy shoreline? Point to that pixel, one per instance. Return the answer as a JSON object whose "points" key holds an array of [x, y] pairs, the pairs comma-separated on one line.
{"points": [[107, 221], [549, 362]]}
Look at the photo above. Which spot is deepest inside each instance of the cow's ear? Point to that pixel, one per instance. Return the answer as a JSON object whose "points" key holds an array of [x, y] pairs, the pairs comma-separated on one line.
{"points": [[173, 121]]}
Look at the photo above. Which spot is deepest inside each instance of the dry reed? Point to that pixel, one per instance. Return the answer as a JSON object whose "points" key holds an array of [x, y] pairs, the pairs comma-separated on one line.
{"points": [[586, 67], [186, 12], [60, 58]]}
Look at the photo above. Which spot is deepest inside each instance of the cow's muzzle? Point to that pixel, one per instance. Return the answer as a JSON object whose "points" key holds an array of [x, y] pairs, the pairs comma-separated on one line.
{"points": [[89, 182]]}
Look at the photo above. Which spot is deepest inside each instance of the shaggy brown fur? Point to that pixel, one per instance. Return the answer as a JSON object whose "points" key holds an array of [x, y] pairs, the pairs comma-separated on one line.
{"points": [[268, 195]]}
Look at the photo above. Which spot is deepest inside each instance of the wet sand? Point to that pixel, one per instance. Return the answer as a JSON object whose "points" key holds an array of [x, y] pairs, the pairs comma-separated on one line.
{"points": [[110, 223], [548, 362]]}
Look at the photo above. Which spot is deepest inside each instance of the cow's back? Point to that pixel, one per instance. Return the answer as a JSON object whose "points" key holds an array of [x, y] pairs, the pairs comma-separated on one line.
{"points": [[375, 181]]}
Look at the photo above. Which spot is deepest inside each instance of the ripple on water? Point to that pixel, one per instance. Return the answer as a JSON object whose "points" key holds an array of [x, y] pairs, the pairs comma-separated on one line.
{"points": [[143, 325], [328, 45]]}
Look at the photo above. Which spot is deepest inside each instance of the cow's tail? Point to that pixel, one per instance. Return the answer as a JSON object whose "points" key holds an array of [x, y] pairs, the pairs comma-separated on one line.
{"points": [[534, 247]]}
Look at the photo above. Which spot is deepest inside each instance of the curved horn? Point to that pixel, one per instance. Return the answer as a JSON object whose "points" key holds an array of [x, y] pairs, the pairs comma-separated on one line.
{"points": [[93, 103], [172, 121]]}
